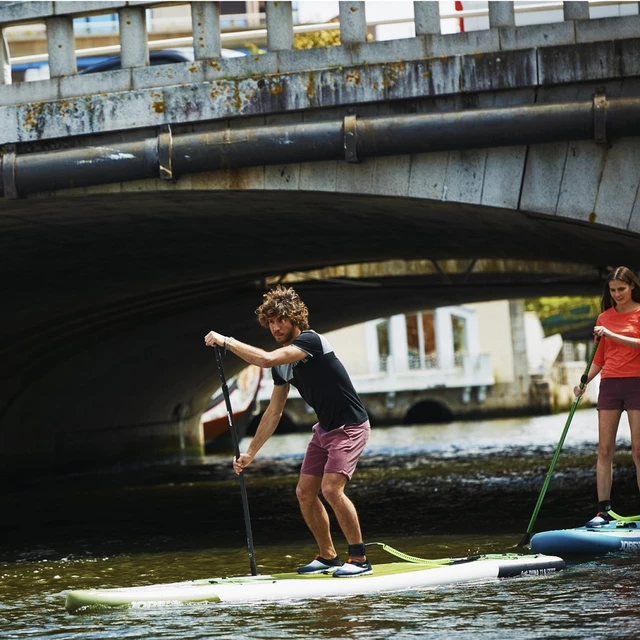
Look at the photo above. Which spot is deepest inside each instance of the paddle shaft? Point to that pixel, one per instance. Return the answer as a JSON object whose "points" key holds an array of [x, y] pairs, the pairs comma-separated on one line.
{"points": [[236, 446], [574, 404]]}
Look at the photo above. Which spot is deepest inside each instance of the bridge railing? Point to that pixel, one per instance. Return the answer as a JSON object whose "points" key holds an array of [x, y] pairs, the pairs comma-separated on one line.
{"points": [[208, 38]]}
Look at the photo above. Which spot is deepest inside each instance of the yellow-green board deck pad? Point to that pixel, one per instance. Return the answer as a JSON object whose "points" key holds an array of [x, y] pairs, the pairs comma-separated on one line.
{"points": [[396, 576]]}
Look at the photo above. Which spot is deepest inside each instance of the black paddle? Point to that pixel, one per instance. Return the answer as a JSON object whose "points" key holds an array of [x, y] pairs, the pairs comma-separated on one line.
{"points": [[236, 446], [583, 382]]}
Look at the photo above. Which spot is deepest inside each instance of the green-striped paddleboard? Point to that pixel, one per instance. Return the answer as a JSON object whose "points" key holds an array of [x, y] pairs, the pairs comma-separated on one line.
{"points": [[396, 576]]}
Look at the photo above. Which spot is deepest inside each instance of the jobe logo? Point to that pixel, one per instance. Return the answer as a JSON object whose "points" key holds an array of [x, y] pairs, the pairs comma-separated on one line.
{"points": [[629, 546]]}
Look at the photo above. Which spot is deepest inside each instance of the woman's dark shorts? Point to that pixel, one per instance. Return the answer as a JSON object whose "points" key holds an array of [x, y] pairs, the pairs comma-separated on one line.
{"points": [[619, 393]]}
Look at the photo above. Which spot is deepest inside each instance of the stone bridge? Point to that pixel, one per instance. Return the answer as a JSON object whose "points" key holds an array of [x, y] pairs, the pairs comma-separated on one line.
{"points": [[142, 206]]}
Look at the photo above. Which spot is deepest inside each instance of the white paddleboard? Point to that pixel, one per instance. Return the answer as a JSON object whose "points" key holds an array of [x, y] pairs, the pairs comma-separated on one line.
{"points": [[396, 576]]}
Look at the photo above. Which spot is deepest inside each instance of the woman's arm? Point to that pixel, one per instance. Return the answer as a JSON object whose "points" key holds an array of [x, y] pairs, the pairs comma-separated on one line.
{"points": [[594, 370], [601, 330]]}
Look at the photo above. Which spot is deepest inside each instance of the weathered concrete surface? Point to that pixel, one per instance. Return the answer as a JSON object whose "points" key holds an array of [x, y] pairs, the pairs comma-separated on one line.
{"points": [[215, 89]]}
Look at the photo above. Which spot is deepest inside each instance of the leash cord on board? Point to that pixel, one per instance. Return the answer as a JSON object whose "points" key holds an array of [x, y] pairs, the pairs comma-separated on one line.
{"points": [[618, 518], [442, 561], [408, 558]]}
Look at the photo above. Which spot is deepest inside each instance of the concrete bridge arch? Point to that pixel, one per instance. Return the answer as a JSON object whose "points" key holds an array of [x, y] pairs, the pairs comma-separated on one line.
{"points": [[428, 412], [146, 273], [112, 279]]}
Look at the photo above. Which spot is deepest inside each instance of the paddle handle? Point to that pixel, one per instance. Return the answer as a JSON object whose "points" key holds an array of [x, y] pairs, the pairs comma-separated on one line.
{"points": [[236, 447]]}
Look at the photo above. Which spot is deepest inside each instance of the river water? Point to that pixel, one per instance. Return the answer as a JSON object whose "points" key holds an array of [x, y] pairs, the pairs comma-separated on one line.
{"points": [[430, 491]]}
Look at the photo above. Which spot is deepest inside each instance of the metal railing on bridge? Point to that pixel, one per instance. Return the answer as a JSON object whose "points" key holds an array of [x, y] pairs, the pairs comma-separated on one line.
{"points": [[156, 106], [56, 21]]}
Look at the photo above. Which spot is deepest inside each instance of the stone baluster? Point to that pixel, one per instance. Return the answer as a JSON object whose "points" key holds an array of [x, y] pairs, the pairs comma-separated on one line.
{"points": [[427, 18], [5, 60], [61, 47], [353, 23], [576, 10], [205, 19], [279, 17], [501, 14], [134, 48]]}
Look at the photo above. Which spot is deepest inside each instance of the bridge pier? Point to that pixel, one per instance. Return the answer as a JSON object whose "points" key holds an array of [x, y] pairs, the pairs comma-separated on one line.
{"points": [[95, 448]]}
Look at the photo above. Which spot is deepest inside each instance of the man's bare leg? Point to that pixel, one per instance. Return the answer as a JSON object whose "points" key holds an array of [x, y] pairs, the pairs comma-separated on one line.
{"points": [[332, 486], [315, 515]]}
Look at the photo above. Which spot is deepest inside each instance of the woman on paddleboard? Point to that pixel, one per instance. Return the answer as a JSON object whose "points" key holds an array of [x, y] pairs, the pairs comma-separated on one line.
{"points": [[617, 360], [306, 360]]}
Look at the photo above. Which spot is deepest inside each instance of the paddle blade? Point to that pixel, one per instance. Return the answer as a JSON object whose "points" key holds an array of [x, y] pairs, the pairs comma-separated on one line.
{"points": [[525, 540]]}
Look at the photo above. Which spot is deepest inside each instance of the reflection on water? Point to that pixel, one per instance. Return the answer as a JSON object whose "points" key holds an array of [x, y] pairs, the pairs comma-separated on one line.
{"points": [[596, 599], [485, 436], [149, 526]]}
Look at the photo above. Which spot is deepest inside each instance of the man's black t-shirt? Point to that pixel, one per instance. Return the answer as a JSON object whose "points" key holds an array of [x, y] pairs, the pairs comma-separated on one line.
{"points": [[323, 382]]}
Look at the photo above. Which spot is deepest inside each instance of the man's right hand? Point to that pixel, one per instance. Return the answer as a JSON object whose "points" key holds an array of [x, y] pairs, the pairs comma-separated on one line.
{"points": [[242, 461]]}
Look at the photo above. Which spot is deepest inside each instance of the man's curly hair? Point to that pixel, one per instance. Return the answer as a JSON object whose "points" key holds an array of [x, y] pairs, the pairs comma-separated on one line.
{"points": [[283, 302]]}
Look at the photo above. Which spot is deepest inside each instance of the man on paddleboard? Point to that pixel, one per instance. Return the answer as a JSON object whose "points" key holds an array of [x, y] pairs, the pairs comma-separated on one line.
{"points": [[306, 360]]}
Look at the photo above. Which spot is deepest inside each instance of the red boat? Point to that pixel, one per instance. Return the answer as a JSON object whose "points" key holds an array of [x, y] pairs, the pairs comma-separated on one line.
{"points": [[243, 391]]}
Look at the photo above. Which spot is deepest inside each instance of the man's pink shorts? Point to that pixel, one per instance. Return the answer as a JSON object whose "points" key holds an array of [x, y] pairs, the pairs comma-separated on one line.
{"points": [[335, 451]]}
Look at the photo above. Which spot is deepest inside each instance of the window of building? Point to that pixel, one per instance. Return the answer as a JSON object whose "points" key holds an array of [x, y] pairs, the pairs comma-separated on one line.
{"points": [[421, 340], [384, 351], [413, 340], [458, 329], [429, 333]]}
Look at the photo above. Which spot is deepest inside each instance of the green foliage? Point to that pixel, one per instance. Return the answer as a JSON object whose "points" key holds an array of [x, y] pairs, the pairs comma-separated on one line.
{"points": [[564, 305], [310, 40], [565, 313], [315, 39], [254, 49], [319, 39]]}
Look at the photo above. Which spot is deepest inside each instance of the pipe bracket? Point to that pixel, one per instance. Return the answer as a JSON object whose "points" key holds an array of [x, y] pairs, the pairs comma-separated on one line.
{"points": [[165, 152], [600, 118], [351, 138], [8, 172]]}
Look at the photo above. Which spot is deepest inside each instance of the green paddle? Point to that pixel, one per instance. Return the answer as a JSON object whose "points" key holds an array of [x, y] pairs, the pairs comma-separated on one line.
{"points": [[583, 382]]}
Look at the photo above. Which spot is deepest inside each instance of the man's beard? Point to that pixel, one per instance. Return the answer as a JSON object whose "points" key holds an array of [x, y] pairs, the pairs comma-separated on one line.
{"points": [[285, 338]]}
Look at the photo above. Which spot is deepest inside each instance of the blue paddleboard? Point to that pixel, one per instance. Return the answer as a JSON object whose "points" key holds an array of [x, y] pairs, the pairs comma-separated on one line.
{"points": [[611, 537]]}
